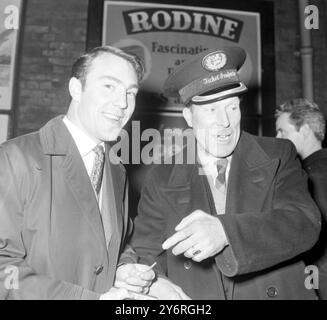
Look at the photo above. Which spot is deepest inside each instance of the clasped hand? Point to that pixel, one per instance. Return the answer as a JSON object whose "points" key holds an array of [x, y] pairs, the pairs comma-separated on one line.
{"points": [[130, 278], [134, 277]]}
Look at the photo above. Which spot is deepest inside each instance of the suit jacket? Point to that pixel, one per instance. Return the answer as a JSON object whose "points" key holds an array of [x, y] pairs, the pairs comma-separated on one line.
{"points": [[50, 222], [270, 220], [316, 167]]}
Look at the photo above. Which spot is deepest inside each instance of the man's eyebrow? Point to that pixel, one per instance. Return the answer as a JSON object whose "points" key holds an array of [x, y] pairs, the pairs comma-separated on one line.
{"points": [[118, 81], [134, 86], [231, 103]]}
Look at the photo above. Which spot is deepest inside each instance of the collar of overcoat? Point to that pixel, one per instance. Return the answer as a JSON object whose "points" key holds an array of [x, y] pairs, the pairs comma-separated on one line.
{"points": [[251, 174], [56, 141]]}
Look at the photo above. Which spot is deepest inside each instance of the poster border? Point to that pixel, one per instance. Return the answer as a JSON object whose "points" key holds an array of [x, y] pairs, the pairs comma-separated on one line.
{"points": [[14, 72]]}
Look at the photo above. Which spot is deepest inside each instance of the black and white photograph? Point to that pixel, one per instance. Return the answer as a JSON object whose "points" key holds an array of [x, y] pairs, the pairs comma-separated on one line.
{"points": [[163, 150]]}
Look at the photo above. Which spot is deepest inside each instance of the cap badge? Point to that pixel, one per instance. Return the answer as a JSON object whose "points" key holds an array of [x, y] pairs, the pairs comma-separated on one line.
{"points": [[214, 61]]}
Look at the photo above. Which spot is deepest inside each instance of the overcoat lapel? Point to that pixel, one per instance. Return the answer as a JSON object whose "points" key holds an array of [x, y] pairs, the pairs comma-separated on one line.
{"points": [[116, 184], [57, 141], [179, 190], [113, 201], [188, 191], [251, 175]]}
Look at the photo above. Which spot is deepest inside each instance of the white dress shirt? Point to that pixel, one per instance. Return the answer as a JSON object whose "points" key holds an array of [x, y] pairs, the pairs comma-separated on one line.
{"points": [[209, 164], [209, 168], [85, 146]]}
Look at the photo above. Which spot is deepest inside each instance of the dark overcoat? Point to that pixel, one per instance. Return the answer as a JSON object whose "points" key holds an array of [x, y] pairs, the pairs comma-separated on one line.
{"points": [[270, 220]]}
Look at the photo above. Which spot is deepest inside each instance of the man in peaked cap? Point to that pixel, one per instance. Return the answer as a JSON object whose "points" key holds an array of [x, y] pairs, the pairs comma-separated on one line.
{"points": [[234, 224]]}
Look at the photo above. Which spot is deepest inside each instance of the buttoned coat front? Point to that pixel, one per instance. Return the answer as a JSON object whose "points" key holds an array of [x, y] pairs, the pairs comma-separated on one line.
{"points": [[51, 233], [270, 219]]}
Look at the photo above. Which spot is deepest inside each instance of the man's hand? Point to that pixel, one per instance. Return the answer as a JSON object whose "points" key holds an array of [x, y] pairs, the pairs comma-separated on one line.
{"points": [[116, 294], [134, 277], [199, 236], [163, 289]]}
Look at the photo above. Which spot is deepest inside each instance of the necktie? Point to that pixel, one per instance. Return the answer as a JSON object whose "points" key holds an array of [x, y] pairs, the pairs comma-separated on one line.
{"points": [[220, 182], [97, 170]]}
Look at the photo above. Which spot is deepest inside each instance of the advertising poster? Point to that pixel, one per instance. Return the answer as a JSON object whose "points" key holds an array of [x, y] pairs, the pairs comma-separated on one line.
{"points": [[9, 29], [3, 127], [165, 35], [8, 40]]}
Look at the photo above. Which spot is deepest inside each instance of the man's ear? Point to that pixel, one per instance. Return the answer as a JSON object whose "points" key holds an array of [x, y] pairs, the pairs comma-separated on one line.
{"points": [[305, 130], [75, 89], [187, 114]]}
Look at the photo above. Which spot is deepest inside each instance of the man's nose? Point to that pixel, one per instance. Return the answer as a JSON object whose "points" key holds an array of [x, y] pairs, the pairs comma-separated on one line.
{"points": [[122, 100], [223, 119]]}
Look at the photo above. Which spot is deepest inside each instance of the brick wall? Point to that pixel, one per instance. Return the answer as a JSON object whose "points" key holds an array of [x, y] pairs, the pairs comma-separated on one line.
{"points": [[55, 34], [287, 48], [287, 42]]}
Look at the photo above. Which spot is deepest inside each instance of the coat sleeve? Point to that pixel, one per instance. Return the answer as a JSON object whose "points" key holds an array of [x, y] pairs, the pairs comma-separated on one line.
{"points": [[18, 280], [259, 240]]}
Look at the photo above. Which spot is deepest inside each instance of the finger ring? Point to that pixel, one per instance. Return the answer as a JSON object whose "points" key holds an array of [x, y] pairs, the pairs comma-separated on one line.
{"points": [[196, 252]]}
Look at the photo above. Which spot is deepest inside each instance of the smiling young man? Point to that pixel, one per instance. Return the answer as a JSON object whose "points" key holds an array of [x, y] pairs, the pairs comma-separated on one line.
{"points": [[63, 203], [233, 224]]}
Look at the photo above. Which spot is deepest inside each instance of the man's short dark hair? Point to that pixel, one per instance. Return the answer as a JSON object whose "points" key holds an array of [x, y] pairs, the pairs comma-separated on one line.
{"points": [[82, 64], [302, 111]]}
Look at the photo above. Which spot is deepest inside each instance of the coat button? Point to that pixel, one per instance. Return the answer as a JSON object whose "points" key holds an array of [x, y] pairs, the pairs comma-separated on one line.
{"points": [[188, 265], [271, 292], [98, 270]]}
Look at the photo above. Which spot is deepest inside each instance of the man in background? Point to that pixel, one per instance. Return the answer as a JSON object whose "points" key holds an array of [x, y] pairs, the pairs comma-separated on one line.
{"points": [[302, 122], [63, 201]]}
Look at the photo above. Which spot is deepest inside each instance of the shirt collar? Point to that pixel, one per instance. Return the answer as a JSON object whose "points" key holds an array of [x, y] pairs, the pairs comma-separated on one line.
{"points": [[208, 160], [209, 164], [83, 142]]}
